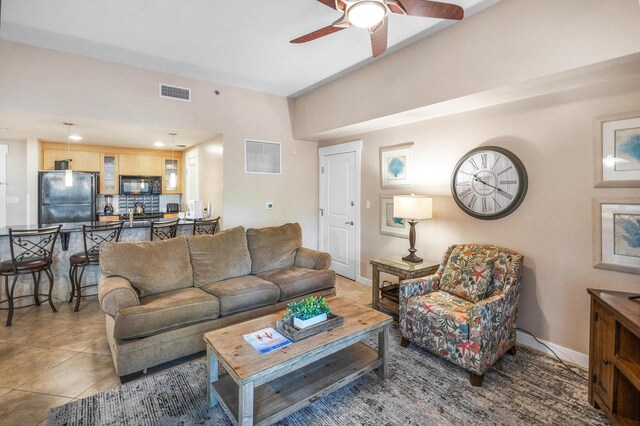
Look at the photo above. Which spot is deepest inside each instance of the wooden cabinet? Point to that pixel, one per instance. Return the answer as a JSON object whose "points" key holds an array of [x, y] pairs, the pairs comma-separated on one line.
{"points": [[109, 183], [140, 165], [171, 166], [112, 162], [614, 355], [81, 161], [603, 335]]}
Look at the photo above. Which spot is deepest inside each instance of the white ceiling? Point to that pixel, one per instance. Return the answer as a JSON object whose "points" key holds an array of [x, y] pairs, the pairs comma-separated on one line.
{"points": [[19, 125], [243, 43]]}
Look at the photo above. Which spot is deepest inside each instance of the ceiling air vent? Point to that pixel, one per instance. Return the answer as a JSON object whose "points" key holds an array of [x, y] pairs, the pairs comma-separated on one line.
{"points": [[175, 92]]}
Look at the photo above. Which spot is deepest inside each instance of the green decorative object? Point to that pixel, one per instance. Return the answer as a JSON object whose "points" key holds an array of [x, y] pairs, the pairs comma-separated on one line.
{"points": [[307, 308]]}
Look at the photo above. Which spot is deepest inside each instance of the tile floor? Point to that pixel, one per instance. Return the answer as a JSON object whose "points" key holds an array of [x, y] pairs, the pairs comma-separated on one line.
{"points": [[49, 359]]}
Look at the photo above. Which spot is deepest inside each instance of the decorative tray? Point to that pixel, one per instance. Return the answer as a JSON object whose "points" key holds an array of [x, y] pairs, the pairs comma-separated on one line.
{"points": [[286, 328]]}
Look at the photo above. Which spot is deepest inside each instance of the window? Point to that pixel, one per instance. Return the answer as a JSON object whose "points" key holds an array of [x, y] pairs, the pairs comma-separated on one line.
{"points": [[261, 157]]}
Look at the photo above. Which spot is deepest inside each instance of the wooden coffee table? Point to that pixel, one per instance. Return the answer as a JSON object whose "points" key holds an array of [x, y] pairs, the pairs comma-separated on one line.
{"points": [[262, 389]]}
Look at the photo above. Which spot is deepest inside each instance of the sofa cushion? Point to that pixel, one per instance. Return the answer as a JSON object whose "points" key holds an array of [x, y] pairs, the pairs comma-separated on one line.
{"points": [[445, 316], [162, 312], [243, 293], [468, 274], [295, 281], [220, 256], [151, 267], [274, 247]]}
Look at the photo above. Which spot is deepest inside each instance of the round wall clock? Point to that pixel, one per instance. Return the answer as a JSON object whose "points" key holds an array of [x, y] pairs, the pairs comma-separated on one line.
{"points": [[489, 182]]}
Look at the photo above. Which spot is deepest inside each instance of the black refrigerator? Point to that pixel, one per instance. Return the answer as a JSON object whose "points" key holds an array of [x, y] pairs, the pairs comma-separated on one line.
{"points": [[68, 205]]}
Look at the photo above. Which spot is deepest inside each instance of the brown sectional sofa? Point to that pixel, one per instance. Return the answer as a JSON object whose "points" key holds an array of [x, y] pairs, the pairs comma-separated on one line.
{"points": [[160, 297]]}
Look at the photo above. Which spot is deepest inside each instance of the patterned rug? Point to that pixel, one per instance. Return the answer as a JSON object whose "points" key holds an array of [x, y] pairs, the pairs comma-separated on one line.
{"points": [[529, 388]]}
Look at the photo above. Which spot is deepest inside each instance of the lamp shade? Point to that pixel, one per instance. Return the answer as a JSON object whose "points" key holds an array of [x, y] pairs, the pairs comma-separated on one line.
{"points": [[415, 207]]}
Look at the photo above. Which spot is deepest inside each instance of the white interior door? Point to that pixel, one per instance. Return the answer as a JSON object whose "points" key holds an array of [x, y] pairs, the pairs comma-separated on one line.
{"points": [[4, 149], [338, 210], [193, 187]]}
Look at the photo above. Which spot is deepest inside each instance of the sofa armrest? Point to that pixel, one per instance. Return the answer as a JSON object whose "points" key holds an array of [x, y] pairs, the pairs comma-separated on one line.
{"points": [[115, 293], [493, 325], [312, 259]]}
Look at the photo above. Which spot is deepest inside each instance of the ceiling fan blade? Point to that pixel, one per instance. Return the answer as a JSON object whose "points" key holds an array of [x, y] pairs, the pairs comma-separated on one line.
{"points": [[379, 38], [317, 34], [432, 9], [396, 7], [334, 4]]}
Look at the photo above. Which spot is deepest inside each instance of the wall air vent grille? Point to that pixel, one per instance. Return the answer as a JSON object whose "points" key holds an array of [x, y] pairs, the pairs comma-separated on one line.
{"points": [[174, 92], [261, 157]]}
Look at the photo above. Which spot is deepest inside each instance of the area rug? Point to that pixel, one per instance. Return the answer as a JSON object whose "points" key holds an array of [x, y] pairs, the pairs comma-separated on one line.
{"points": [[528, 388]]}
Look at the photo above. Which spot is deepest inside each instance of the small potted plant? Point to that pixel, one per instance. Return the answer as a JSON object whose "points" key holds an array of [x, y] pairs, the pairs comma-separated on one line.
{"points": [[308, 311]]}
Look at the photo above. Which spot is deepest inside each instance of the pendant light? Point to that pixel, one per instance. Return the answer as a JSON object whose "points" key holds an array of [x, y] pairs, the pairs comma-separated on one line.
{"points": [[68, 174], [173, 179]]}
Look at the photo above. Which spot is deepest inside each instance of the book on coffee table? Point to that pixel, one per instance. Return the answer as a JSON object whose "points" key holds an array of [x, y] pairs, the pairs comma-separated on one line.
{"points": [[266, 340]]}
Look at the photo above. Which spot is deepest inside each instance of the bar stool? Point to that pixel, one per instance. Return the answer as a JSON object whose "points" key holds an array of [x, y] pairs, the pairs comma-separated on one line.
{"points": [[31, 253], [164, 230], [205, 226], [93, 236]]}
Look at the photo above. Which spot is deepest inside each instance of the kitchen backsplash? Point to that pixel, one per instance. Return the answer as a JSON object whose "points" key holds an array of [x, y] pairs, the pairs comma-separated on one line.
{"points": [[152, 203]]}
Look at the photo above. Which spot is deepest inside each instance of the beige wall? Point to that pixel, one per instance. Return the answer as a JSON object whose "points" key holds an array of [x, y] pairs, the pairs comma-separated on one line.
{"points": [[76, 87], [552, 135], [512, 42]]}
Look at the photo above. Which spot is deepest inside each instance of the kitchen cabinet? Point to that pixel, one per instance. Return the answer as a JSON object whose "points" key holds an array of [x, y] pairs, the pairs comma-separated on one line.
{"points": [[109, 174], [140, 165], [170, 165], [112, 162], [81, 161]]}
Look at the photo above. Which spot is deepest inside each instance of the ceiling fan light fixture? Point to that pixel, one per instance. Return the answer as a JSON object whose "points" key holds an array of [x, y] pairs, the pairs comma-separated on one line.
{"points": [[366, 14]]}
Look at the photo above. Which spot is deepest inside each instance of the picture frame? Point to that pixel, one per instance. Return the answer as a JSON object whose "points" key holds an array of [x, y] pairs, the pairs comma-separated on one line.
{"points": [[396, 165], [617, 151], [616, 234], [395, 227]]}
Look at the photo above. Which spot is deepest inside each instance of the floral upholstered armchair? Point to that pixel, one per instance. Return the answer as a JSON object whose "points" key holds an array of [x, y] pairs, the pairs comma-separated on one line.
{"points": [[466, 312]]}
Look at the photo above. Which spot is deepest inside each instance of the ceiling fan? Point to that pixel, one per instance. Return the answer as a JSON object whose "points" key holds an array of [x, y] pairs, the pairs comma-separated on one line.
{"points": [[372, 14]]}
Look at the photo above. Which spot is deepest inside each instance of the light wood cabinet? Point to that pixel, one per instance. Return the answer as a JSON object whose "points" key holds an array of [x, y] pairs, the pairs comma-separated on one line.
{"points": [[171, 165], [140, 165], [112, 162], [81, 161], [109, 182]]}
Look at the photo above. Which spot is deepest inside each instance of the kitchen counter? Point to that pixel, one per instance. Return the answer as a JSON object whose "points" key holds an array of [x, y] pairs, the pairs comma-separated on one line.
{"points": [[70, 242], [77, 227]]}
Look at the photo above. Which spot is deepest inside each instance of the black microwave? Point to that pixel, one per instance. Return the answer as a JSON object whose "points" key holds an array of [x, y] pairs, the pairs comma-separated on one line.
{"points": [[140, 185]]}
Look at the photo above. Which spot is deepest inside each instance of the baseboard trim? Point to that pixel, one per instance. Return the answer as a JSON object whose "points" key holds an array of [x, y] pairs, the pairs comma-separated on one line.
{"points": [[363, 280], [565, 354]]}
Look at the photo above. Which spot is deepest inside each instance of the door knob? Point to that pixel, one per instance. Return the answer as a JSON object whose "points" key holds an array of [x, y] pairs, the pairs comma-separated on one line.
{"points": [[349, 223]]}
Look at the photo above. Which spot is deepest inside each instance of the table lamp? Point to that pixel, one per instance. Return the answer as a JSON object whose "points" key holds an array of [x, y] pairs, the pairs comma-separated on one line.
{"points": [[413, 208]]}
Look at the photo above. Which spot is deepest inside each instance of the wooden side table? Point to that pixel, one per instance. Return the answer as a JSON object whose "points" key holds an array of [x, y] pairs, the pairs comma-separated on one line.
{"points": [[388, 296]]}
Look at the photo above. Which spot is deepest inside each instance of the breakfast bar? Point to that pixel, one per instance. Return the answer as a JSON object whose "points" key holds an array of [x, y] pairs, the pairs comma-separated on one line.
{"points": [[70, 241]]}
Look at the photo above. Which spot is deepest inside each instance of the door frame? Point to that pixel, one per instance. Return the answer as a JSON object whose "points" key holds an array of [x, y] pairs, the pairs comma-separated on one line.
{"points": [[353, 146]]}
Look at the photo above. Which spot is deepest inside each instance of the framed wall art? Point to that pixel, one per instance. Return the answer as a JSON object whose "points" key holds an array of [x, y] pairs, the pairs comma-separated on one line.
{"points": [[396, 165], [389, 225], [617, 150], [616, 234]]}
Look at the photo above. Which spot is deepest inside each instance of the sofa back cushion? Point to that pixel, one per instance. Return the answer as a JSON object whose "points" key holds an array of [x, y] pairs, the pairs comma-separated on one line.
{"points": [[468, 274], [220, 256], [274, 247], [151, 267]]}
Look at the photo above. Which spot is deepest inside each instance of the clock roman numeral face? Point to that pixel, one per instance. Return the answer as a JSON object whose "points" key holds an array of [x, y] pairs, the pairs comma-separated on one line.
{"points": [[486, 183]]}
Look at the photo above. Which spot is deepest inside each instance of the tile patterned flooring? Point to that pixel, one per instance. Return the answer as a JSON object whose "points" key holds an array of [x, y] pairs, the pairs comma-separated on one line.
{"points": [[49, 359]]}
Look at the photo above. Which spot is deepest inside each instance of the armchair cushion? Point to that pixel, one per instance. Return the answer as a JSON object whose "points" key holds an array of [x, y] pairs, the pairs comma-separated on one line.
{"points": [[446, 321], [468, 274]]}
